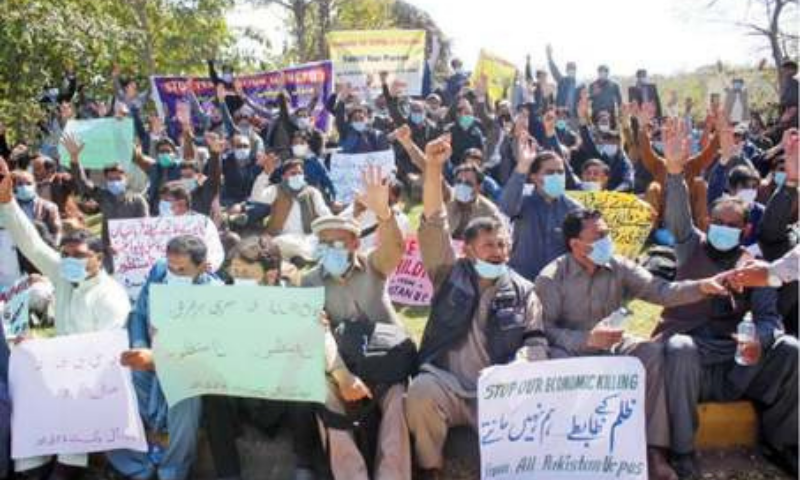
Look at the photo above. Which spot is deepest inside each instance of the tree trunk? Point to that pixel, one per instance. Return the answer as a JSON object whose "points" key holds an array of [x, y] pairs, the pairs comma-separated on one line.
{"points": [[140, 9], [774, 39], [324, 27], [299, 8]]}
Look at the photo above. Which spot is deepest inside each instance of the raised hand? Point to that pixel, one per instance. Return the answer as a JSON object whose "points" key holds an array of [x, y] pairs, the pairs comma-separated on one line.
{"points": [[238, 88], [221, 93], [521, 125], [73, 146], [215, 143], [526, 152], [677, 145], [403, 133], [583, 108], [268, 161], [438, 151], [156, 125], [376, 192]]}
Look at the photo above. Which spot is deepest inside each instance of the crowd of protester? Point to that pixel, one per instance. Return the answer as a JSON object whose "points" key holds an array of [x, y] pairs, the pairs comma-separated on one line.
{"points": [[536, 279]]}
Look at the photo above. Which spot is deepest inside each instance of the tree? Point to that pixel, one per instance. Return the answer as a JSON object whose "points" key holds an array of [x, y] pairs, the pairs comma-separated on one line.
{"points": [[40, 40], [774, 20]]}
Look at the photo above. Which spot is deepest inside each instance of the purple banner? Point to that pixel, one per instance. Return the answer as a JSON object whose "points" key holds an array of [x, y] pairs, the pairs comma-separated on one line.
{"points": [[302, 82]]}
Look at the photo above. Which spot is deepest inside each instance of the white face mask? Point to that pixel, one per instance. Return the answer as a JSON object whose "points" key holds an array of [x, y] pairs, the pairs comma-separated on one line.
{"points": [[300, 151], [241, 154], [591, 186], [245, 282], [748, 195], [173, 279]]}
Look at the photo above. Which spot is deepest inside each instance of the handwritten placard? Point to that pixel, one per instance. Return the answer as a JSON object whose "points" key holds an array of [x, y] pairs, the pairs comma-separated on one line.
{"points": [[563, 419], [346, 171], [629, 218], [71, 395], [14, 301], [139, 242], [410, 284], [260, 342], [106, 141]]}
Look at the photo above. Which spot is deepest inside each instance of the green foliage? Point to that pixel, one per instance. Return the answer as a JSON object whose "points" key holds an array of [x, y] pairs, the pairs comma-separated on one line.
{"points": [[40, 40]]}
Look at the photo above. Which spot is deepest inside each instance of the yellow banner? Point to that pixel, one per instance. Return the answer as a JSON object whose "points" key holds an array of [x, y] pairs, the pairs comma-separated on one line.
{"points": [[629, 218], [360, 56], [499, 75]]}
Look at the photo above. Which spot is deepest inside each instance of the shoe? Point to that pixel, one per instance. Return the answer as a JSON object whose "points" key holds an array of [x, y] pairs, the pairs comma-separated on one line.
{"points": [[685, 466], [785, 458], [658, 467]]}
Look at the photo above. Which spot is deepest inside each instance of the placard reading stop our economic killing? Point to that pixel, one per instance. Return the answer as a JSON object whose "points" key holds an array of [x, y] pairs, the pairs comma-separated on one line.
{"points": [[71, 395], [359, 57], [105, 141], [346, 171], [259, 342], [563, 419]]}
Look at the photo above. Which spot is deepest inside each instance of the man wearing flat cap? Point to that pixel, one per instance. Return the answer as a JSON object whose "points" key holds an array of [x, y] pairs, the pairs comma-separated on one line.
{"points": [[355, 290]]}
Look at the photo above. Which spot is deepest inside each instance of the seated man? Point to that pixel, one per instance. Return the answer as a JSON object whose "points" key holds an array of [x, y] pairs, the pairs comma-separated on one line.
{"points": [[294, 205], [538, 216], [355, 290], [464, 337], [581, 293], [742, 182], [314, 169], [700, 343], [605, 144], [467, 201], [185, 265], [87, 299], [176, 202], [257, 261], [36, 208], [594, 175], [115, 200]]}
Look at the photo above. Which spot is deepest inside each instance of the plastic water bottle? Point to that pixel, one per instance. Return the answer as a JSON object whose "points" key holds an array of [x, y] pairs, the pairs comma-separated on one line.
{"points": [[618, 318], [745, 334]]}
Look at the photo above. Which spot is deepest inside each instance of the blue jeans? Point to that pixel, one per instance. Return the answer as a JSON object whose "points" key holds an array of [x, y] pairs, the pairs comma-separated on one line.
{"points": [[180, 422]]}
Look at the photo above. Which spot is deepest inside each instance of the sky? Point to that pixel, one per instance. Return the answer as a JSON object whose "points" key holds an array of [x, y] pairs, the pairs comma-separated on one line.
{"points": [[664, 36]]}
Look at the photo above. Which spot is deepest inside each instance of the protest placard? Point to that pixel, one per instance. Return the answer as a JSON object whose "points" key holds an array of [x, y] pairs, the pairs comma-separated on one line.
{"points": [[302, 83], [71, 395], [105, 141], [562, 419], [261, 342], [346, 171], [629, 218], [360, 56], [9, 261], [14, 307], [499, 74], [410, 284], [138, 243]]}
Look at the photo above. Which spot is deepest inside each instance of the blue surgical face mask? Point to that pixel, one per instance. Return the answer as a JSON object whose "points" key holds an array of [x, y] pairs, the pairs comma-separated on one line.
{"points": [[241, 154], [359, 126], [466, 121], [173, 279], [464, 192], [164, 208], [561, 124], [25, 193], [303, 123], [166, 160], [417, 117], [723, 238], [780, 178], [490, 271], [189, 183], [609, 150], [554, 185], [335, 260], [602, 251], [296, 182], [73, 270], [591, 186], [116, 187]]}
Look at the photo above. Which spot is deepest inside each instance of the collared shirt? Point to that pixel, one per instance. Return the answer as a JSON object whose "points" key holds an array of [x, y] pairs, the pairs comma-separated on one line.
{"points": [[537, 226], [264, 192], [574, 301], [460, 214], [99, 303], [361, 293]]}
